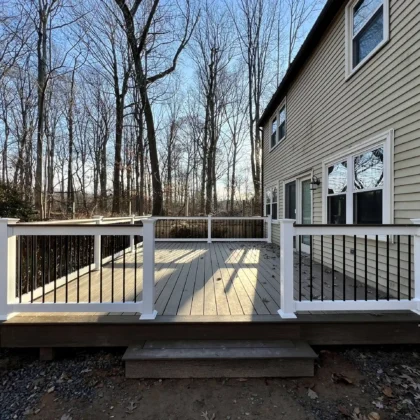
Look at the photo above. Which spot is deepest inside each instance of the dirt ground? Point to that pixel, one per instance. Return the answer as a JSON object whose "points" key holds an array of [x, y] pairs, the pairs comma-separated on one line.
{"points": [[358, 384]]}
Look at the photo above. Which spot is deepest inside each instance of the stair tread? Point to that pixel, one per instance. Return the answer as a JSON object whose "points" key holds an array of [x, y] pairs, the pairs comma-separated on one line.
{"points": [[218, 349]]}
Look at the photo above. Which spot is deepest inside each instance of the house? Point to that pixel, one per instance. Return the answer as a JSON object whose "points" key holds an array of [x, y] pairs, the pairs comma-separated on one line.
{"points": [[342, 135]]}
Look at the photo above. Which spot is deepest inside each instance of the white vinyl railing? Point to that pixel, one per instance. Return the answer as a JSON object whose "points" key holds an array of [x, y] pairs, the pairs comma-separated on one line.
{"points": [[290, 236], [213, 229], [10, 229]]}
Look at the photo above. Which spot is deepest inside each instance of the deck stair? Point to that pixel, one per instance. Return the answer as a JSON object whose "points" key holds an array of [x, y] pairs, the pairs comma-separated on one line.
{"points": [[219, 358]]}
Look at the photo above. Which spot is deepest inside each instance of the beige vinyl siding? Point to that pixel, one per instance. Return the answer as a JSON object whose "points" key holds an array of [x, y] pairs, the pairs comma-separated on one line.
{"points": [[327, 114]]}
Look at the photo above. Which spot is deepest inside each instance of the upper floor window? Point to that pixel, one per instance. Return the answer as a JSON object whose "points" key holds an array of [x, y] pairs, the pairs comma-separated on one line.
{"points": [[278, 127], [367, 23], [282, 122], [274, 132], [359, 185]]}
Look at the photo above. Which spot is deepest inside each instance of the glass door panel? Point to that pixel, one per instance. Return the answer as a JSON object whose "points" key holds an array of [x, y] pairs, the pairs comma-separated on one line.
{"points": [[306, 211]]}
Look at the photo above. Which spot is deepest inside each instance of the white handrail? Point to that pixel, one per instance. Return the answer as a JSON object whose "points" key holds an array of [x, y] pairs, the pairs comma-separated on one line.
{"points": [[10, 229], [289, 230], [209, 219]]}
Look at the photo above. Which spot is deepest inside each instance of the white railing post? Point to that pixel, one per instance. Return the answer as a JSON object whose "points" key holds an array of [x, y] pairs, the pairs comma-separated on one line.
{"points": [[97, 257], [132, 245], [209, 229], [7, 268], [287, 302], [268, 219], [416, 267], [148, 302]]}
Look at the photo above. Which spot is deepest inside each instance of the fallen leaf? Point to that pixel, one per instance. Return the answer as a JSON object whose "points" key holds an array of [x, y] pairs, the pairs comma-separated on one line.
{"points": [[387, 391], [131, 407], [340, 378], [242, 379], [374, 416], [312, 394], [206, 416], [344, 411], [50, 390], [66, 417], [378, 404]]}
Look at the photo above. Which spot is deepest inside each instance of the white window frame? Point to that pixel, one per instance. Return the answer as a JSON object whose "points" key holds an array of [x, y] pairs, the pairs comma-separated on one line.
{"points": [[298, 180], [270, 188], [350, 70], [387, 141], [277, 118]]}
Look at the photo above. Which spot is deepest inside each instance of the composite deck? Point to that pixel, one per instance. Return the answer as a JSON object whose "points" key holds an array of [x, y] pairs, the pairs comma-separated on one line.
{"points": [[208, 291]]}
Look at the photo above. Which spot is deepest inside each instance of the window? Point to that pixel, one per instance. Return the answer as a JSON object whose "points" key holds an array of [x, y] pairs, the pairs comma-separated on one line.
{"points": [[359, 185], [282, 123], [367, 23], [271, 201], [337, 187], [274, 132], [268, 202], [278, 127]]}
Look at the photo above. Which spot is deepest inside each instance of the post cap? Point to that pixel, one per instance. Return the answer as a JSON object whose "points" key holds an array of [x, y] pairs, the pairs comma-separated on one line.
{"points": [[98, 217], [150, 220], [288, 221], [8, 220]]}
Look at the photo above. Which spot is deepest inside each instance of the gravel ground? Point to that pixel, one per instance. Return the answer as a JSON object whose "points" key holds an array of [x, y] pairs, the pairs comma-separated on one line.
{"points": [[357, 383]]}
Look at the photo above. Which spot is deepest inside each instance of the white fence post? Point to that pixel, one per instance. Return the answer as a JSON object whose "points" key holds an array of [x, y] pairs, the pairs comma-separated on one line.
{"points": [[268, 219], [132, 245], [209, 229], [97, 257], [148, 302], [417, 267], [287, 302], [7, 268]]}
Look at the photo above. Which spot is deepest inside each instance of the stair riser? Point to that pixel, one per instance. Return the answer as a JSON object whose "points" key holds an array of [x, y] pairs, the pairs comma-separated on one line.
{"points": [[161, 369]]}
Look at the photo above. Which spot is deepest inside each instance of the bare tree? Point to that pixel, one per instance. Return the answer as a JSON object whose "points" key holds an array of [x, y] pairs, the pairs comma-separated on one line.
{"points": [[255, 22], [138, 19]]}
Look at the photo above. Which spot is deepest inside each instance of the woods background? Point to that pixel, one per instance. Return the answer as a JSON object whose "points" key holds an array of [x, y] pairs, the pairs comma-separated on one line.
{"points": [[140, 106]]}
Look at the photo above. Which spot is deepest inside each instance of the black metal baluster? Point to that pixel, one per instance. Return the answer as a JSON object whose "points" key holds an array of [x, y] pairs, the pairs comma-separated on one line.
{"points": [[61, 257], [409, 267], [28, 261], [34, 267], [366, 279], [100, 269], [387, 267], [399, 266], [300, 268], [310, 267], [332, 266], [19, 267], [89, 239], [49, 260], [135, 274], [322, 267], [112, 269], [43, 255], [344, 267], [377, 268], [78, 268], [124, 275], [55, 268], [355, 268], [66, 250]]}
